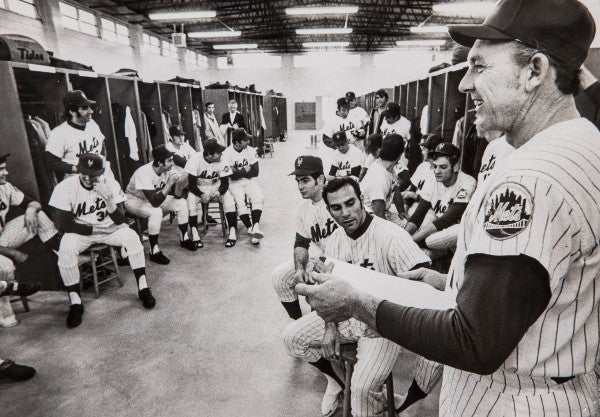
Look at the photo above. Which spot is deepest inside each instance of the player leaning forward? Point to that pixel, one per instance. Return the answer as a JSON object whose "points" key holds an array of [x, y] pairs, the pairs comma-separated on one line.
{"points": [[370, 242], [87, 210], [523, 337]]}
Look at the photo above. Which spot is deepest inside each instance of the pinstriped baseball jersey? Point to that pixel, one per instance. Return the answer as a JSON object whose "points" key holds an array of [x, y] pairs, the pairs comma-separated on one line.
{"points": [[208, 173], [145, 178], [542, 201], [421, 174], [315, 223], [384, 247], [495, 151], [441, 196], [9, 196], [378, 184], [87, 205]]}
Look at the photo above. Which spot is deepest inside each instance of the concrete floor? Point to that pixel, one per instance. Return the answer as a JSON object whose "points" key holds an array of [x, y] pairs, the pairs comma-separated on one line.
{"points": [[211, 347]]}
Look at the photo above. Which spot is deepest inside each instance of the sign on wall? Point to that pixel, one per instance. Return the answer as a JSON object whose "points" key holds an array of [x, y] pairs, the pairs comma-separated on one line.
{"points": [[305, 115]]}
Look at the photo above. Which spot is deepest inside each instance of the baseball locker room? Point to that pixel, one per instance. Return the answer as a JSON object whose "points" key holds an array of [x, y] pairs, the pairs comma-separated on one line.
{"points": [[256, 208]]}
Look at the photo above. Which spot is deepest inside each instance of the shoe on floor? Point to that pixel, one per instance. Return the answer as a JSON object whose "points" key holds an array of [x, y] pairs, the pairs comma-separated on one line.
{"points": [[147, 298], [10, 321], [255, 240], [75, 314], [23, 289], [159, 258], [256, 232], [196, 238], [15, 372], [331, 398], [188, 244]]}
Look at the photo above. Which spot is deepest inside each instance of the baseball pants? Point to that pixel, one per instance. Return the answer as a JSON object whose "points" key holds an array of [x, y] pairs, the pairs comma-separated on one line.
{"points": [[444, 239], [376, 357], [282, 278], [6, 311], [509, 395], [246, 187], [143, 209], [225, 199], [72, 244], [428, 374], [15, 234]]}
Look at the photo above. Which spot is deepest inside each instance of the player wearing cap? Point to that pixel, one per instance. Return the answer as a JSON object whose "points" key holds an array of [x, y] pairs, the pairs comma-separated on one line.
{"points": [[447, 195], [338, 122], [314, 225], [373, 243], [359, 118], [150, 195], [77, 135], [380, 181], [523, 337], [394, 122], [243, 161], [347, 159], [378, 112], [87, 209], [208, 179]]}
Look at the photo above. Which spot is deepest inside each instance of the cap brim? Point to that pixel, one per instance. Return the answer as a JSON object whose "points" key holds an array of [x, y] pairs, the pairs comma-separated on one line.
{"points": [[301, 172], [89, 102], [466, 35], [93, 173]]}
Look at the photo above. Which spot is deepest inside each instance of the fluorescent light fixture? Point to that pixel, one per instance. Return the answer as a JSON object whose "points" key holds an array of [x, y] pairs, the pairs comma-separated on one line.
{"points": [[325, 44], [236, 46], [421, 42], [300, 11], [216, 34], [429, 29], [189, 15], [464, 8], [324, 31]]}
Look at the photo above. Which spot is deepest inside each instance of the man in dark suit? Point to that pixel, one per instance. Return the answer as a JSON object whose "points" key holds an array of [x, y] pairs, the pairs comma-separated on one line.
{"points": [[233, 119]]}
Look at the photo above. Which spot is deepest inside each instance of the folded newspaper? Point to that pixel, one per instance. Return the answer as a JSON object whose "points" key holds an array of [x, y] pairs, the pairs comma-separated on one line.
{"points": [[397, 290]]}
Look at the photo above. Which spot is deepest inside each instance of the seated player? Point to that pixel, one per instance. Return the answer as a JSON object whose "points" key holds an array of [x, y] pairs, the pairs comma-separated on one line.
{"points": [[372, 148], [379, 183], [447, 196], [314, 225], [394, 122], [150, 195], [20, 229], [88, 211], [243, 161], [370, 242], [347, 159], [208, 179]]}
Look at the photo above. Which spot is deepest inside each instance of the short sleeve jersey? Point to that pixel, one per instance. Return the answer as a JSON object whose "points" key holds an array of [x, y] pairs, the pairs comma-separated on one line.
{"points": [[422, 173], [87, 206], [208, 173], [384, 247], [542, 201], [241, 159], [496, 150], [378, 184], [336, 124], [145, 179], [344, 162], [359, 117], [441, 196], [9, 196], [68, 142], [400, 127], [314, 222], [185, 150]]}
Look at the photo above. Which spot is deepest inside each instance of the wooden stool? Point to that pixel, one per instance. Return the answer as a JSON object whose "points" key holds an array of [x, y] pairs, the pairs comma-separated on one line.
{"points": [[101, 262], [210, 208], [23, 300], [347, 361], [268, 147]]}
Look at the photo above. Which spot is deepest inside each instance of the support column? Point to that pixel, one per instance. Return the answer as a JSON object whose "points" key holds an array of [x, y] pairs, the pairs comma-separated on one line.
{"points": [[49, 13]]}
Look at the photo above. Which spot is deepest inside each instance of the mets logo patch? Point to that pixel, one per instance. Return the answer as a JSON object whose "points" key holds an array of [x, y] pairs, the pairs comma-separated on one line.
{"points": [[508, 211]]}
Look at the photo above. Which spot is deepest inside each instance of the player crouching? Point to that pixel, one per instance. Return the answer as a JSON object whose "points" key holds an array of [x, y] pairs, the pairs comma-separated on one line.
{"points": [[88, 212]]}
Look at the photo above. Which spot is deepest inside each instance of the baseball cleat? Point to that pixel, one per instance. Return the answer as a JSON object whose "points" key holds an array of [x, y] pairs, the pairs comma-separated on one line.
{"points": [[159, 258], [15, 372], [256, 232], [75, 314], [196, 238], [188, 244], [331, 398], [23, 289], [147, 298], [10, 321], [230, 243], [255, 240]]}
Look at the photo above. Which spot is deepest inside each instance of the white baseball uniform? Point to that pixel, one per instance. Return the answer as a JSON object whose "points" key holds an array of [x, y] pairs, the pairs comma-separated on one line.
{"points": [[343, 163], [313, 222], [359, 118], [243, 187], [441, 196], [421, 174], [381, 246], [209, 176], [495, 151], [14, 233], [89, 208], [540, 201], [68, 140], [378, 184], [400, 127], [185, 151], [146, 179]]}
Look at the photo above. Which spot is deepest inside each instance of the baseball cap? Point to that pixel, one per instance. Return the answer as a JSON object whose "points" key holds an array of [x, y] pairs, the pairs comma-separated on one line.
{"points": [[90, 164], [392, 109], [342, 102], [76, 98], [307, 164], [161, 153], [339, 137], [350, 95], [562, 28], [212, 147], [431, 141], [240, 134], [3, 158], [445, 149], [176, 130]]}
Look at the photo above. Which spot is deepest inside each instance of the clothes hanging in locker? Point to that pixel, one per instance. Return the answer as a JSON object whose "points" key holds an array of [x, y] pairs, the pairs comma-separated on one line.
{"points": [[46, 180], [131, 135], [146, 137]]}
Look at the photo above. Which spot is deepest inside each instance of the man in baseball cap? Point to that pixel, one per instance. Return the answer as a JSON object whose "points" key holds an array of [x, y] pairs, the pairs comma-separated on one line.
{"points": [[307, 165], [520, 339], [75, 99], [90, 164]]}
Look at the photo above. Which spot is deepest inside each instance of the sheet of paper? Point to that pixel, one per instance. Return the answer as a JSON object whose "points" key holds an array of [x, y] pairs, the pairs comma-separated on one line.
{"points": [[397, 290]]}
